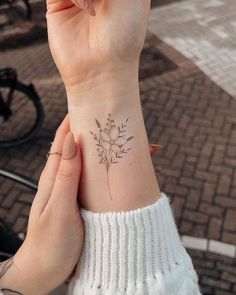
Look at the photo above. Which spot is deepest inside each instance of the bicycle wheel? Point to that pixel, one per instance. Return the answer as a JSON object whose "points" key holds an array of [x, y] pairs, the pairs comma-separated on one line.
{"points": [[20, 8], [24, 8], [21, 113]]}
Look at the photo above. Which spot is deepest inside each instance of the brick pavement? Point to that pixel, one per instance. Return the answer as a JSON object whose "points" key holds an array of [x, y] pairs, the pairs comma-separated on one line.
{"points": [[217, 274], [195, 120], [204, 31], [184, 110]]}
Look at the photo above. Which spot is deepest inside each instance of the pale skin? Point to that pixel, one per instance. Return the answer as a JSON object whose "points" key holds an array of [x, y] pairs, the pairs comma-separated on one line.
{"points": [[96, 46]]}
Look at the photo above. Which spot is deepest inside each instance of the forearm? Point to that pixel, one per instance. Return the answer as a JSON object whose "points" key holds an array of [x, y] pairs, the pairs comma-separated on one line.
{"points": [[130, 181]]}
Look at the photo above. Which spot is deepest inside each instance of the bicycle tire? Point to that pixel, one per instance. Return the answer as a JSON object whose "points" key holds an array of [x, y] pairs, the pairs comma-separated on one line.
{"points": [[23, 7], [28, 9], [31, 95]]}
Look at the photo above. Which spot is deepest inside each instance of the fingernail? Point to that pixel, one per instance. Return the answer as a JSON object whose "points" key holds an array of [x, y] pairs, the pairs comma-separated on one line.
{"points": [[69, 147], [156, 147]]}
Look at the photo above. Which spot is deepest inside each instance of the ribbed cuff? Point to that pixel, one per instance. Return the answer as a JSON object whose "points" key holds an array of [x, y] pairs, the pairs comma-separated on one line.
{"points": [[134, 252]]}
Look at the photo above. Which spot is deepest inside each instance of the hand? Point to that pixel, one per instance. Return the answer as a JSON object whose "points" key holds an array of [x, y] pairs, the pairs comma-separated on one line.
{"points": [[84, 46], [55, 231]]}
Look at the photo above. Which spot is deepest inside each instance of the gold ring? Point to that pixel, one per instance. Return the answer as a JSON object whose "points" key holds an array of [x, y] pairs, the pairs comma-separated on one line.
{"points": [[53, 153]]}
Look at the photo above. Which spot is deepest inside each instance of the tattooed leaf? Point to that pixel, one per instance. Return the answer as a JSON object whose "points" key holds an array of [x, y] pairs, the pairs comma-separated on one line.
{"points": [[98, 124], [131, 137], [127, 120]]}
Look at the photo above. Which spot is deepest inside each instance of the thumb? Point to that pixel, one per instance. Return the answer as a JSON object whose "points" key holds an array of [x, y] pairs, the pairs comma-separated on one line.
{"points": [[65, 190]]}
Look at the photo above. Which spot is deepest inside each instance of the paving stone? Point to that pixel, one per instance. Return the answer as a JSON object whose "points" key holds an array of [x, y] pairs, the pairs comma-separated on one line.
{"points": [[214, 228], [226, 202], [229, 237], [208, 192], [230, 216], [193, 199], [211, 209], [195, 217]]}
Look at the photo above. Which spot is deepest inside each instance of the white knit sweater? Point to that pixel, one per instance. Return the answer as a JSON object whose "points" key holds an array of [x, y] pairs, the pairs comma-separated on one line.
{"points": [[134, 253]]}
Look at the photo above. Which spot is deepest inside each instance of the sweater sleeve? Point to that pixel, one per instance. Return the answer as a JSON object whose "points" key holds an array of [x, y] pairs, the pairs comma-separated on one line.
{"points": [[134, 253]]}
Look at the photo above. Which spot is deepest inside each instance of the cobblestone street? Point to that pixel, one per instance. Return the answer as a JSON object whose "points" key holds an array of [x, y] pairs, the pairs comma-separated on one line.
{"points": [[188, 91]]}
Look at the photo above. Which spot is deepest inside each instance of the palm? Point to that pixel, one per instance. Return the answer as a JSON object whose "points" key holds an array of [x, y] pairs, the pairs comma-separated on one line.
{"points": [[80, 42]]}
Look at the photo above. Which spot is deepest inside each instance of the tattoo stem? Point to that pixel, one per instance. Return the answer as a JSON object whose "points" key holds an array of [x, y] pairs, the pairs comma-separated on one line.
{"points": [[108, 185]]}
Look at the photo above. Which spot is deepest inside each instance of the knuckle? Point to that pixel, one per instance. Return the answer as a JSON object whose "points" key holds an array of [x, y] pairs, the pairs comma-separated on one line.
{"points": [[64, 175]]}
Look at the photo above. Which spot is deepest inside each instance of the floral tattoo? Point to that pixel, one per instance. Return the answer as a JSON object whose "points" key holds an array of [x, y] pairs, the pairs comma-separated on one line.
{"points": [[111, 142]]}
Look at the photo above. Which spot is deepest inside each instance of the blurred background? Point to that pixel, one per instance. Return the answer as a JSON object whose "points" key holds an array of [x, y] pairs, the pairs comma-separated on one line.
{"points": [[188, 90]]}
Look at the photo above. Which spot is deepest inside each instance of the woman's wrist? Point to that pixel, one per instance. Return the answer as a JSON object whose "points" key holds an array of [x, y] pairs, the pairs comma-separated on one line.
{"points": [[100, 94], [104, 86], [130, 183]]}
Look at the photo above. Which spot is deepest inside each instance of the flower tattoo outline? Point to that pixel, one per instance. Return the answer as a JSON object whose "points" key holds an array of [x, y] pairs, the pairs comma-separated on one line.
{"points": [[111, 143]]}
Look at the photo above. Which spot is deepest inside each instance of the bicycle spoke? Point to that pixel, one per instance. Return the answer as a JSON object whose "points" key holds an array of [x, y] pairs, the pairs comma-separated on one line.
{"points": [[10, 97], [1, 99]]}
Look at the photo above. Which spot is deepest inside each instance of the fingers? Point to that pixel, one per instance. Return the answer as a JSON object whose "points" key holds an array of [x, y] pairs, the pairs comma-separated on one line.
{"points": [[48, 175], [64, 194]]}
